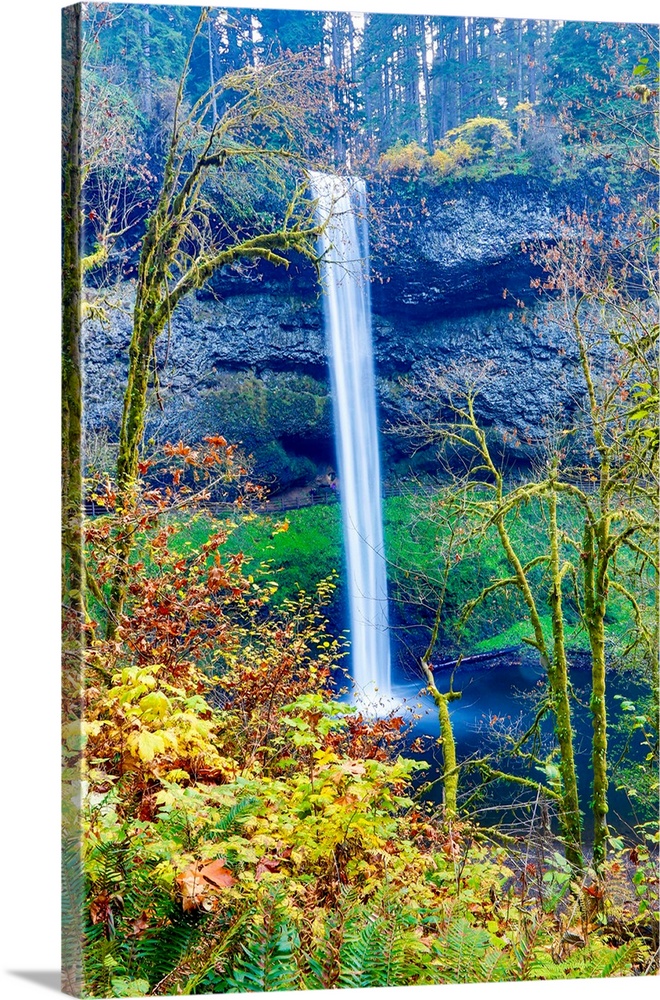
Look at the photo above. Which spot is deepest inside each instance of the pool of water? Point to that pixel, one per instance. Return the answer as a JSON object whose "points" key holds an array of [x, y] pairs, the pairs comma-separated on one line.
{"points": [[499, 701]]}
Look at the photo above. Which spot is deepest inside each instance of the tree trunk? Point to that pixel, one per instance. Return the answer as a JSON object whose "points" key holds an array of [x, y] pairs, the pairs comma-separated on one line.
{"points": [[72, 493], [519, 60], [140, 356], [428, 97], [336, 40], [214, 101], [449, 769], [558, 679], [595, 581], [446, 741], [532, 67], [599, 747], [463, 85]]}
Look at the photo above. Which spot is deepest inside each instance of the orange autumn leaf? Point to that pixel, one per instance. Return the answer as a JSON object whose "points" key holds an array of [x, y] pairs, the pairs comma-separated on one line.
{"points": [[192, 888], [217, 874]]}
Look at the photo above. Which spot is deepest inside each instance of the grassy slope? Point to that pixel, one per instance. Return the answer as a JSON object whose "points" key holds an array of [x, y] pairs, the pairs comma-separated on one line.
{"points": [[310, 549]]}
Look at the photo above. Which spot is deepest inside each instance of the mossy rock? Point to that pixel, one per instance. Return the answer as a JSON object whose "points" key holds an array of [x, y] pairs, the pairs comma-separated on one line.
{"points": [[280, 419], [273, 462], [256, 410]]}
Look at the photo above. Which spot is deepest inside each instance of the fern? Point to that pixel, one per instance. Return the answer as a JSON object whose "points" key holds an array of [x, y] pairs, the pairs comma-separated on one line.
{"points": [[619, 961], [115, 949], [524, 953], [239, 811], [368, 945], [596, 961], [466, 955], [356, 956], [268, 959]]}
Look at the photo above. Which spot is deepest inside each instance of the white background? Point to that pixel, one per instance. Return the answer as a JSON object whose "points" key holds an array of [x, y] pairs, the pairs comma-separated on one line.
{"points": [[29, 477]]}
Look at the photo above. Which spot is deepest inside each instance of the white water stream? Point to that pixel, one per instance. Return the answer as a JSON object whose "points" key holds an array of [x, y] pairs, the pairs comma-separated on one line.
{"points": [[345, 276]]}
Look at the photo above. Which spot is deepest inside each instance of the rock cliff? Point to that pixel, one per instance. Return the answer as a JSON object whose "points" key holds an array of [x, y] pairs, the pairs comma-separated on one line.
{"points": [[247, 358]]}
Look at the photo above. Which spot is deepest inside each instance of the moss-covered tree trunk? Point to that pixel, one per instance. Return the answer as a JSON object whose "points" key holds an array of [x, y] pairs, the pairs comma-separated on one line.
{"points": [[449, 768], [558, 681], [72, 562], [446, 741], [598, 548], [145, 332], [555, 663], [180, 252], [595, 605]]}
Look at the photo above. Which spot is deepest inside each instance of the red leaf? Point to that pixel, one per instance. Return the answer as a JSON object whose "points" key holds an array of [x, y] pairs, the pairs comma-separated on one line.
{"points": [[266, 865]]}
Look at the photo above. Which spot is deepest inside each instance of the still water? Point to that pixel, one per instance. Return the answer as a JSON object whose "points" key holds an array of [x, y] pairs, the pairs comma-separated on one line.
{"points": [[499, 701]]}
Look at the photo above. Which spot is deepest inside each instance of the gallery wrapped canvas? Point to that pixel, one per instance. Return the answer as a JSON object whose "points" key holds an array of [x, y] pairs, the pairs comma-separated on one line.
{"points": [[359, 493]]}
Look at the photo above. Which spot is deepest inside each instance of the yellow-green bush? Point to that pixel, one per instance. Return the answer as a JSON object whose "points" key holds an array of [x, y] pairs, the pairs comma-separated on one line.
{"points": [[477, 141], [485, 135], [408, 158], [446, 160]]}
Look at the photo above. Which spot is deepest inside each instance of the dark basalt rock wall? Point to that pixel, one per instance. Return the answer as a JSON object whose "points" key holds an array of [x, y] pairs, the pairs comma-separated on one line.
{"points": [[461, 249], [440, 300]]}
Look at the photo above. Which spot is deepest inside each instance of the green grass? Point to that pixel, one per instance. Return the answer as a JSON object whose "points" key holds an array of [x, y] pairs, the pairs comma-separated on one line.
{"points": [[298, 558], [310, 550], [514, 634]]}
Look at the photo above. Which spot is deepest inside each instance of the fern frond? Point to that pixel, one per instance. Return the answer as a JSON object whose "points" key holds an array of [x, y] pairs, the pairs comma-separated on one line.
{"points": [[356, 954], [239, 811], [619, 961], [268, 959], [466, 954]]}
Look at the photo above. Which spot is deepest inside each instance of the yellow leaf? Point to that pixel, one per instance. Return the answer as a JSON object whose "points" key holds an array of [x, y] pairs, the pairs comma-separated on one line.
{"points": [[177, 774], [155, 705], [150, 744]]}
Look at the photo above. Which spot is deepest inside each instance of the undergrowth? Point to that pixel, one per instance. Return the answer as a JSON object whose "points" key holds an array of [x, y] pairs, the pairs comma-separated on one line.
{"points": [[242, 829]]}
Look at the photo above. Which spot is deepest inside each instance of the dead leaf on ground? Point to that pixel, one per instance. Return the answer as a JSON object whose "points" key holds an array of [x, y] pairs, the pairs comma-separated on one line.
{"points": [[266, 865], [217, 874]]}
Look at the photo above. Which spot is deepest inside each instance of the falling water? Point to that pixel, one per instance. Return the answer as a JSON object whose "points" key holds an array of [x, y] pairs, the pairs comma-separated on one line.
{"points": [[345, 273]]}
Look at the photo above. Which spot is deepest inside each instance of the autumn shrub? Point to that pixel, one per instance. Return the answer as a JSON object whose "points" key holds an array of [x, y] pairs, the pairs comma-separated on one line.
{"points": [[242, 828], [405, 159], [209, 745], [478, 148], [446, 160], [486, 135]]}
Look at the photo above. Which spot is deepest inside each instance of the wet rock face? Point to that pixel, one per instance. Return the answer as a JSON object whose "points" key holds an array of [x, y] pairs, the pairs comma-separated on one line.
{"points": [[465, 246], [243, 366], [254, 367], [440, 302], [534, 371]]}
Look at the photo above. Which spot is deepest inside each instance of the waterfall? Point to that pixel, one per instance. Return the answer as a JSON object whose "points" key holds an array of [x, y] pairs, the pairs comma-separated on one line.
{"points": [[347, 306]]}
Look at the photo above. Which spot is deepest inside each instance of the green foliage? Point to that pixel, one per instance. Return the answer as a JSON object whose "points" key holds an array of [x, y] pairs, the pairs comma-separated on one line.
{"points": [[465, 954], [265, 415], [478, 148], [484, 135], [242, 830], [295, 552], [267, 959], [634, 754]]}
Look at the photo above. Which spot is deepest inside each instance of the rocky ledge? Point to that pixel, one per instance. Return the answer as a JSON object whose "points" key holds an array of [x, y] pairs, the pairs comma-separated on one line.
{"points": [[248, 358]]}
